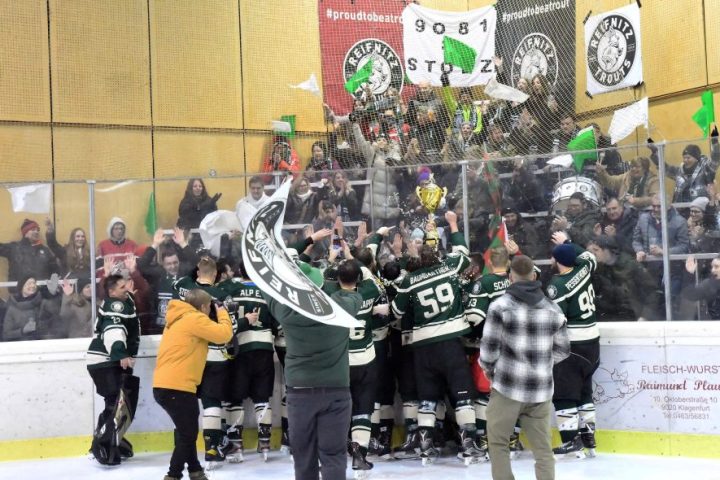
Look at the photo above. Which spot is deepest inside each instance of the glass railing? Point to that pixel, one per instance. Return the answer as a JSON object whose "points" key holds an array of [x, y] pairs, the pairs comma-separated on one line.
{"points": [[653, 263]]}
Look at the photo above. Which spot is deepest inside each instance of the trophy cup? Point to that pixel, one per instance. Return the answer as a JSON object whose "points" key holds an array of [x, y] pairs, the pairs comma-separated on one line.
{"points": [[430, 196]]}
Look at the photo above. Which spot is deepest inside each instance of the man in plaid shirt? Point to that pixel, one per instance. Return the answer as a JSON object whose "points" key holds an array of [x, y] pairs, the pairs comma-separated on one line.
{"points": [[525, 335]]}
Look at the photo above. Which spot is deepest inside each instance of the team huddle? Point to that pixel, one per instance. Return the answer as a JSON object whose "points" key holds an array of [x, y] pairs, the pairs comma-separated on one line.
{"points": [[430, 323]]}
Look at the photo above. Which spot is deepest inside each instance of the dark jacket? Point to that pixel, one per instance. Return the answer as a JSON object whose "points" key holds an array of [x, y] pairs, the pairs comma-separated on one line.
{"points": [[21, 310], [624, 228], [192, 210], [624, 291], [583, 226], [24, 258]]}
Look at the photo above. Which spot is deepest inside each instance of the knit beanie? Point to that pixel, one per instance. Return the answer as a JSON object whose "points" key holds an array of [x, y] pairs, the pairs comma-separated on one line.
{"points": [[28, 225], [693, 151], [81, 283], [700, 202], [565, 254]]}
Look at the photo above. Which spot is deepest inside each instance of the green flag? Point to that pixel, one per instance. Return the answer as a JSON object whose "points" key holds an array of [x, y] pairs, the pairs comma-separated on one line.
{"points": [[360, 77], [151, 216], [706, 115], [286, 126], [458, 54], [584, 140]]}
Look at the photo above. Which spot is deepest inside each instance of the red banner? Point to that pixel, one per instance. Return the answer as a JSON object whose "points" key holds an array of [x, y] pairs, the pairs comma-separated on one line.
{"points": [[352, 33]]}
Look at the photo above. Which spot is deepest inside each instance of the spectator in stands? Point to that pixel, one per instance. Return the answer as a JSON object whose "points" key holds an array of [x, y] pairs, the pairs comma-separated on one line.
{"points": [[257, 197], [430, 135], [283, 158], [74, 257], [177, 259], [195, 204], [707, 291], [464, 109], [624, 290], [568, 129], [117, 247], [381, 201], [647, 236], [521, 232], [320, 164], [456, 146], [610, 157], [29, 315], [579, 220], [76, 309], [326, 217], [635, 187], [527, 136], [302, 202], [29, 256], [343, 196], [498, 146], [425, 97], [696, 171], [618, 222], [523, 189], [542, 103], [702, 225]]}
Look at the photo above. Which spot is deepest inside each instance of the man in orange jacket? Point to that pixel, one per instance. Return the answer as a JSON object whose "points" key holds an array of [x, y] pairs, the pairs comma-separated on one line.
{"points": [[180, 363]]}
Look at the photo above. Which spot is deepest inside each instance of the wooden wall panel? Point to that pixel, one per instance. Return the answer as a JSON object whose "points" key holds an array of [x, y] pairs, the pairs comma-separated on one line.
{"points": [[25, 79], [712, 40], [196, 78], [100, 61], [275, 55]]}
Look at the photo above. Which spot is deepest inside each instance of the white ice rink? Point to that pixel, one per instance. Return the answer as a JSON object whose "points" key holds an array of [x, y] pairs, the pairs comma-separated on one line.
{"points": [[154, 467]]}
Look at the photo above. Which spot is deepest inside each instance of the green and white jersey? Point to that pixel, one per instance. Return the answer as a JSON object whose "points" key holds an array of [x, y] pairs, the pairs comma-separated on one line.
{"points": [[117, 333], [482, 294], [248, 298], [216, 353], [435, 296], [362, 348], [573, 292]]}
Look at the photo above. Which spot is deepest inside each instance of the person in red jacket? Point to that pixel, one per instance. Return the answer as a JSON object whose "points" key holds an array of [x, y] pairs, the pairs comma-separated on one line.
{"points": [[283, 158]]}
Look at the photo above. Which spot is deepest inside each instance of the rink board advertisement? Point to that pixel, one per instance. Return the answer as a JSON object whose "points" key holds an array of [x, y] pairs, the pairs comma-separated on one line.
{"points": [[659, 388], [538, 37], [352, 33]]}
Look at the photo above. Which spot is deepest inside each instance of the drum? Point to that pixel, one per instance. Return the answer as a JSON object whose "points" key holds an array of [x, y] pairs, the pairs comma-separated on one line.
{"points": [[565, 188]]}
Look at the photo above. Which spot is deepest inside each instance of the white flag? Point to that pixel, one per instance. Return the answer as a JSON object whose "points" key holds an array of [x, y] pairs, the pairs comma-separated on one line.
{"points": [[562, 161], [504, 92], [626, 119], [423, 33], [33, 198], [613, 50], [281, 127], [268, 264], [309, 85], [214, 226]]}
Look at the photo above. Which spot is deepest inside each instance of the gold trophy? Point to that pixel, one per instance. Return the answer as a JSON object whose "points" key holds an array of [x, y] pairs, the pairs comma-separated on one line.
{"points": [[430, 196]]}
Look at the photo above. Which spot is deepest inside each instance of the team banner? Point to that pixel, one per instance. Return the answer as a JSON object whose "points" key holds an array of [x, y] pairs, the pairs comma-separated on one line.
{"points": [[271, 268], [538, 37], [612, 46], [353, 34], [461, 44]]}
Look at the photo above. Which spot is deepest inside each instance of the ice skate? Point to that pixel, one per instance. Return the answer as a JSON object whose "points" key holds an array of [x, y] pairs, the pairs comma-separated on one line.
{"points": [[384, 451], [587, 434], [214, 458], [516, 446], [428, 452], [572, 448], [361, 467], [469, 452], [410, 449], [126, 449], [263, 447], [199, 475], [233, 449]]}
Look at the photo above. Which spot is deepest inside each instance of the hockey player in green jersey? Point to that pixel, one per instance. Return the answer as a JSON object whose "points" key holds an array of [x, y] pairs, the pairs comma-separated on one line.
{"points": [[213, 388], [435, 295], [252, 371], [572, 290], [110, 357]]}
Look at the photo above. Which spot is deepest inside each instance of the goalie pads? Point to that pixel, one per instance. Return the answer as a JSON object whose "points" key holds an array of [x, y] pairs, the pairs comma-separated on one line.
{"points": [[108, 437]]}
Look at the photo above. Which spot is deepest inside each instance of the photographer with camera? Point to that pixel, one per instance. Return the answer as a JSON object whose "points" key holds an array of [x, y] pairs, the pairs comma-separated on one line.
{"points": [[180, 364]]}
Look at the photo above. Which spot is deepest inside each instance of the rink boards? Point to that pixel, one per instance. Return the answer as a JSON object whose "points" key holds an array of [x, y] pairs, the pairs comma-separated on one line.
{"points": [[657, 392]]}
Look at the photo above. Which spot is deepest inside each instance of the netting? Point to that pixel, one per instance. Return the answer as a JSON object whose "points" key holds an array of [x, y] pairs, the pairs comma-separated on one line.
{"points": [[145, 95]]}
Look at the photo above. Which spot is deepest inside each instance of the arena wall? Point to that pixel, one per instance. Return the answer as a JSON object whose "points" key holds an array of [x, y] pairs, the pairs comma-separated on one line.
{"points": [[657, 393]]}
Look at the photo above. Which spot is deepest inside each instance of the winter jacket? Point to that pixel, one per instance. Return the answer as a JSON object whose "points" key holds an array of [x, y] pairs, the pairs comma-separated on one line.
{"points": [[382, 197], [21, 310], [192, 210], [582, 226], [646, 233], [24, 258], [624, 228], [184, 345], [76, 316], [109, 246], [624, 185], [691, 184]]}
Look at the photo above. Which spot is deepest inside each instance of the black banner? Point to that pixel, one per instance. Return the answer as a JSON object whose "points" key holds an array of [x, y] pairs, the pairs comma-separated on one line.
{"points": [[538, 36]]}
